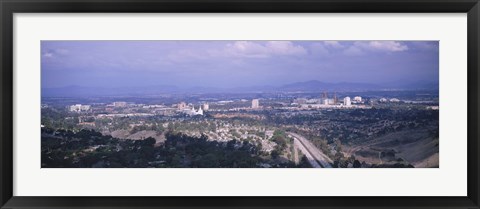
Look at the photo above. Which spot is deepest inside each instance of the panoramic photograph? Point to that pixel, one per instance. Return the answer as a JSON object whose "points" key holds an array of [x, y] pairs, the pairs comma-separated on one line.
{"points": [[239, 104]]}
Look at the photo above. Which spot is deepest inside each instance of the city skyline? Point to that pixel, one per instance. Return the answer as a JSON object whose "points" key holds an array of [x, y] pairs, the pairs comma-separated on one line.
{"points": [[240, 104], [233, 64]]}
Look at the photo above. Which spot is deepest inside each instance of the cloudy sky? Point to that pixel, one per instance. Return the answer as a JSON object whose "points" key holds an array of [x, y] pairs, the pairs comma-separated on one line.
{"points": [[235, 63]]}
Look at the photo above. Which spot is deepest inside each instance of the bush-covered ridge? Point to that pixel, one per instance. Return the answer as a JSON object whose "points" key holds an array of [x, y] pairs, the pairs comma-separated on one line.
{"points": [[88, 148]]}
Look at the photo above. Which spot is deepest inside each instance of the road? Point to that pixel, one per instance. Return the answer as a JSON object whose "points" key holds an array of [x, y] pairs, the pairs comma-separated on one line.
{"points": [[307, 154], [308, 149], [295, 155]]}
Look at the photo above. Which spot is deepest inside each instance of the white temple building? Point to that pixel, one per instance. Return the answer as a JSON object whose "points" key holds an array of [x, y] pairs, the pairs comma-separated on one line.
{"points": [[196, 112]]}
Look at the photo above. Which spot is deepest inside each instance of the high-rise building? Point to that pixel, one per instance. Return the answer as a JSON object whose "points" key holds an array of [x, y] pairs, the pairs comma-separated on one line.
{"points": [[255, 104], [346, 101], [357, 99], [205, 106]]}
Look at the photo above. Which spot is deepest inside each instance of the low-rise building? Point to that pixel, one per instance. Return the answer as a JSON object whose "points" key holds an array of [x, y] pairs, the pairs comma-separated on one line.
{"points": [[394, 100], [120, 104], [79, 108]]}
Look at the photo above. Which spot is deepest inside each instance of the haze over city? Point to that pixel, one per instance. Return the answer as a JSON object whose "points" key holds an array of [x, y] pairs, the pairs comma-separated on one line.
{"points": [[240, 104], [233, 64]]}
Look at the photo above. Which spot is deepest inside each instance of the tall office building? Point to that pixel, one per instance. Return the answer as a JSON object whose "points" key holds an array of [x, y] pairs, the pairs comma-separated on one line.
{"points": [[255, 103], [347, 102]]}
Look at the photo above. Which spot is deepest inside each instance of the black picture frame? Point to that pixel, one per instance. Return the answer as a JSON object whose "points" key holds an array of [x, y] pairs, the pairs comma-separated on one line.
{"points": [[9, 7]]}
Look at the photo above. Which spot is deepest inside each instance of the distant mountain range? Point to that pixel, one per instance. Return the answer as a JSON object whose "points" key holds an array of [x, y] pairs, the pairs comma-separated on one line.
{"points": [[307, 86], [315, 85]]}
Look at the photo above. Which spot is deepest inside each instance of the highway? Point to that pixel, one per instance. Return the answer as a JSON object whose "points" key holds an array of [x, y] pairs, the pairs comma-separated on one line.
{"points": [[296, 158], [313, 154], [307, 154]]}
